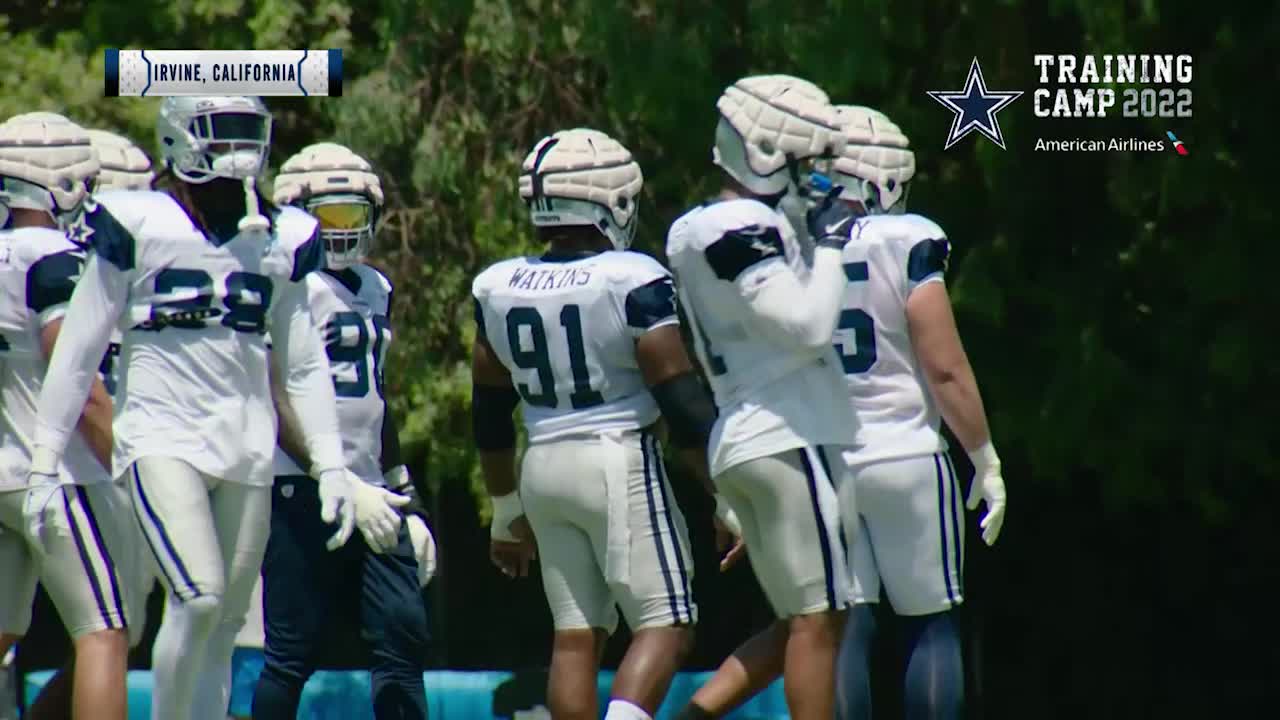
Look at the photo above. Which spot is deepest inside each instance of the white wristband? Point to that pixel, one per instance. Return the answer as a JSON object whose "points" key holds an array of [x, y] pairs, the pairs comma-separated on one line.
{"points": [[397, 477], [727, 517], [330, 473], [984, 457], [506, 508], [44, 461]]}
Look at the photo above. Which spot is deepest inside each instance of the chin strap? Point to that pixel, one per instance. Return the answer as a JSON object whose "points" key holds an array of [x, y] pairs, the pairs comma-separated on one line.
{"points": [[253, 220]]}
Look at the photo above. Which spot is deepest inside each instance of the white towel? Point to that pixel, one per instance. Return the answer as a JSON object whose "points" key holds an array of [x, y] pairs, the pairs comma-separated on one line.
{"points": [[618, 534]]}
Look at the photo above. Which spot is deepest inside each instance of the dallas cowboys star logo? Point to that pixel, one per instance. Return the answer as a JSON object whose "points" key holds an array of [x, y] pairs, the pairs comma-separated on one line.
{"points": [[975, 107], [79, 231]]}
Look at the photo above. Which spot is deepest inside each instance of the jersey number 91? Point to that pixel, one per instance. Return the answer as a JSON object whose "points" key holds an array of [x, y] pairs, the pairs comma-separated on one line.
{"points": [[538, 358]]}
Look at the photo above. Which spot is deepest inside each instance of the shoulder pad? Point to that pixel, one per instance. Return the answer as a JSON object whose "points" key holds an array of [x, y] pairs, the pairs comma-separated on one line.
{"points": [[112, 221], [740, 212], [906, 229], [299, 235], [920, 239], [632, 267], [492, 275], [36, 242], [294, 227], [705, 224], [29, 245], [374, 276]]}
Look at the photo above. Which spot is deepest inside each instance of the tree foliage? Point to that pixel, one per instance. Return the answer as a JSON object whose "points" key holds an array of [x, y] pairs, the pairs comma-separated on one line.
{"points": [[1116, 306]]}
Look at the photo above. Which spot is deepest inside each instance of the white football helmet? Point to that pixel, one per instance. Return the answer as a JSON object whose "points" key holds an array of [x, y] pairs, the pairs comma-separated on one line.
{"points": [[583, 177], [208, 137], [772, 129], [124, 165], [340, 189], [46, 163], [876, 164], [202, 138]]}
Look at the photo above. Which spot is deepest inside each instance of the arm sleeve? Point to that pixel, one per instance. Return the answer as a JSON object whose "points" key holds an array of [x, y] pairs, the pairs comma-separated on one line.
{"points": [[309, 381], [790, 309], [99, 298]]}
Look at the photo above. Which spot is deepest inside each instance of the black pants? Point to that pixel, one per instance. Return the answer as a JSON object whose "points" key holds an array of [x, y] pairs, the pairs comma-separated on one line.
{"points": [[308, 591]]}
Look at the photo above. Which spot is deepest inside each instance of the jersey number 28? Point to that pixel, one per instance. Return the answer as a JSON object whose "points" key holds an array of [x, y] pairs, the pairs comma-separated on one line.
{"points": [[538, 358], [244, 297]]}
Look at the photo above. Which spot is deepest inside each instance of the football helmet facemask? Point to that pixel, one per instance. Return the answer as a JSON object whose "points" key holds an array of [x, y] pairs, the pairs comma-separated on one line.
{"points": [[208, 137], [340, 189], [202, 138]]}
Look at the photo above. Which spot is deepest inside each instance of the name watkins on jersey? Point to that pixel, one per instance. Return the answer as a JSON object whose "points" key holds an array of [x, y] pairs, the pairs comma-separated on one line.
{"points": [[527, 278]]}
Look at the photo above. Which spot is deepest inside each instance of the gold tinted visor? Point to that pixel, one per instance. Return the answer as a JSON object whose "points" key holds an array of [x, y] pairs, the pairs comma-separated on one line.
{"points": [[346, 215]]}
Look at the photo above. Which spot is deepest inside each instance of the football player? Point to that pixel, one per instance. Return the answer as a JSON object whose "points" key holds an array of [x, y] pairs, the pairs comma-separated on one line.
{"points": [[906, 369], [763, 302], [586, 338], [122, 166], [49, 530], [196, 277], [304, 587]]}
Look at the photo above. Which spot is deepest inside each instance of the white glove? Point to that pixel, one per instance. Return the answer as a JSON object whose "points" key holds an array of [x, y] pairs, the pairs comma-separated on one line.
{"points": [[987, 485], [336, 504], [376, 515], [424, 548], [43, 486], [506, 508], [727, 517]]}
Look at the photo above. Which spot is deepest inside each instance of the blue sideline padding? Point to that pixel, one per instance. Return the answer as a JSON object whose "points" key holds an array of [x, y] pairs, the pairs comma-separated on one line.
{"points": [[344, 695]]}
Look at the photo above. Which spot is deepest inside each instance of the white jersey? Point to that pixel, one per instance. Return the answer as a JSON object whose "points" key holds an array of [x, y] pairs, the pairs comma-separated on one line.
{"points": [[566, 329], [192, 374], [771, 397], [890, 256], [352, 310], [39, 268]]}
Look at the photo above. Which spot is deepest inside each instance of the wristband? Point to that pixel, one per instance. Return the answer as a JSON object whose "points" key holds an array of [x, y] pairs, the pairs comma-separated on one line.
{"points": [[984, 457], [397, 477], [506, 508], [44, 461], [727, 517]]}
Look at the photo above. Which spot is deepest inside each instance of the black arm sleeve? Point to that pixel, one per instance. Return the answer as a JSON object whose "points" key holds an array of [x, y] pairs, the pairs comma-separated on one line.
{"points": [[688, 408], [491, 422]]}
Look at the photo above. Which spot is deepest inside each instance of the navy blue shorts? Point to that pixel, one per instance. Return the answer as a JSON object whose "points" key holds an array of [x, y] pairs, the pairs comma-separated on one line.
{"points": [[311, 594]]}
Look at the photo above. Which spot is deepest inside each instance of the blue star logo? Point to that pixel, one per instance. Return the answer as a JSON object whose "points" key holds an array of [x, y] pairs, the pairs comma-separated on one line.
{"points": [[975, 107], [79, 231]]}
